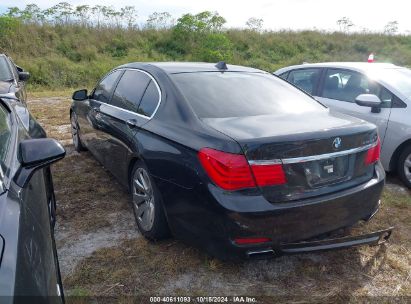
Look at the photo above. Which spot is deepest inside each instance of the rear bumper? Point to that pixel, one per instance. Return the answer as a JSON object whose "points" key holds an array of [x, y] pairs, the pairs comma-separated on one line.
{"points": [[375, 238], [213, 219]]}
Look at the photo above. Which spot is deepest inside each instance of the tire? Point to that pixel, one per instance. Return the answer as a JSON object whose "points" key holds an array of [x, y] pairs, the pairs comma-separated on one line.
{"points": [[404, 166], [78, 146], [147, 204]]}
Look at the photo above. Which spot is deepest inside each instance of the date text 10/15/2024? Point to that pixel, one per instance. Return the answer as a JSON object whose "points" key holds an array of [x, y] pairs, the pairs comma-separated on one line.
{"points": [[204, 299]]}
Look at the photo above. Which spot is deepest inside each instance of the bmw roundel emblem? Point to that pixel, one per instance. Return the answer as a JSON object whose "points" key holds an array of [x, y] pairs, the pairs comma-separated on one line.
{"points": [[337, 143]]}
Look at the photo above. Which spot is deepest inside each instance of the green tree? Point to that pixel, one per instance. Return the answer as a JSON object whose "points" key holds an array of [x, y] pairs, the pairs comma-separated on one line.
{"points": [[202, 22], [97, 11], [82, 12], [63, 12], [345, 24], [13, 12], [391, 28], [32, 14], [129, 14], [161, 20], [255, 24], [202, 35]]}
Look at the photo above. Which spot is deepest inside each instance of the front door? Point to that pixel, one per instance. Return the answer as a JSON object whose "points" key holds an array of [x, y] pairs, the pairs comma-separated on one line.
{"points": [[340, 88], [90, 119]]}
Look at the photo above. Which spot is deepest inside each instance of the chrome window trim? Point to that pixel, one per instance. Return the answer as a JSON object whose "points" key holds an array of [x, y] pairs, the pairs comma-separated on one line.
{"points": [[155, 83], [128, 111], [312, 157]]}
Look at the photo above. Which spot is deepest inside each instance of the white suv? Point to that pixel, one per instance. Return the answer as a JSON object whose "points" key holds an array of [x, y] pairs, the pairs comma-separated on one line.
{"points": [[377, 92]]}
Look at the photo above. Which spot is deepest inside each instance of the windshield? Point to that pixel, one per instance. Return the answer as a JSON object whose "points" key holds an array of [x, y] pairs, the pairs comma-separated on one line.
{"points": [[399, 79], [5, 73], [239, 94]]}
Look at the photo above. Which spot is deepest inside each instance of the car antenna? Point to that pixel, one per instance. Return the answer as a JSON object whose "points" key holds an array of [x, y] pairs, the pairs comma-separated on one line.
{"points": [[221, 65]]}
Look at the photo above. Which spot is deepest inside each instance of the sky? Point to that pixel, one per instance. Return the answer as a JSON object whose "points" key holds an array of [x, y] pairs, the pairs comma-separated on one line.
{"points": [[277, 14]]}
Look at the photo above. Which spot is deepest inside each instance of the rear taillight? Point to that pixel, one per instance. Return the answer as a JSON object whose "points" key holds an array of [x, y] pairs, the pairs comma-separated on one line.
{"points": [[373, 154], [228, 171], [232, 171], [269, 175]]}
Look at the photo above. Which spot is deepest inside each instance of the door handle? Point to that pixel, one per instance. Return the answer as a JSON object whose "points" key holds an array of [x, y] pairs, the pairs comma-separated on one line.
{"points": [[132, 123]]}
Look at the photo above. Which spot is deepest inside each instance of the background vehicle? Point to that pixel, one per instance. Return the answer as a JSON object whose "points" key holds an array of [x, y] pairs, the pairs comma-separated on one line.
{"points": [[28, 257], [238, 172], [12, 78], [387, 101]]}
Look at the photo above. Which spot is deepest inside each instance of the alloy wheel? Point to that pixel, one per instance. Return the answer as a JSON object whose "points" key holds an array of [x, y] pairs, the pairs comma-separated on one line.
{"points": [[407, 167], [143, 199]]}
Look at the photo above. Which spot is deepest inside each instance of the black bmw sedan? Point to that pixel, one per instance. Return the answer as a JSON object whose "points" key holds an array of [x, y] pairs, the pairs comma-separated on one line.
{"points": [[231, 159], [29, 271]]}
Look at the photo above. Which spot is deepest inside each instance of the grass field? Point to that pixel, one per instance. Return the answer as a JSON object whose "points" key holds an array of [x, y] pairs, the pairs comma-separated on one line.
{"points": [[102, 253]]}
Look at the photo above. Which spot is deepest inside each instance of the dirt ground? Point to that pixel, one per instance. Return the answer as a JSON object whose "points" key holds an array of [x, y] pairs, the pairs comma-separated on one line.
{"points": [[102, 254]]}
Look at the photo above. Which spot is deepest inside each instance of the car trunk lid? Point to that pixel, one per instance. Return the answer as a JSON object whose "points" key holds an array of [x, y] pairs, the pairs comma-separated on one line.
{"points": [[320, 153]]}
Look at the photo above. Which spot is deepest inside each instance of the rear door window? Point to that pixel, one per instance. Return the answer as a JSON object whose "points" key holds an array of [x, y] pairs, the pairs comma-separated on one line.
{"points": [[150, 100], [105, 87], [283, 75], [305, 79], [130, 90]]}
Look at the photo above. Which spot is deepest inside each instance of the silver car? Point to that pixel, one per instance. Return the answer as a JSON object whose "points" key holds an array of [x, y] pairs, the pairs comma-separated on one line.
{"points": [[377, 92]]}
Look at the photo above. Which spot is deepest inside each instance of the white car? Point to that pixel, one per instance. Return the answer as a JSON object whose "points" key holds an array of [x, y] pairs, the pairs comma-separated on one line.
{"points": [[377, 92]]}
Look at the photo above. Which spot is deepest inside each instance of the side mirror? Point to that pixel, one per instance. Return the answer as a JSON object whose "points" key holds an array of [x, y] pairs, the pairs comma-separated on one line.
{"points": [[80, 95], [35, 154], [368, 100], [24, 76]]}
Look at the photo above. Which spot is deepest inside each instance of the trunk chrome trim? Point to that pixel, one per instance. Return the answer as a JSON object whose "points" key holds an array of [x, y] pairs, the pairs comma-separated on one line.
{"points": [[265, 162], [312, 157]]}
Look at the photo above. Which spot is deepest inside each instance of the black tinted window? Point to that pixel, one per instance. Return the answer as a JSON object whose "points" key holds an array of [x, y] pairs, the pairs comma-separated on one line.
{"points": [[13, 68], [150, 100], [305, 79], [346, 85], [105, 87], [5, 73], [130, 89], [5, 133], [283, 75], [239, 94]]}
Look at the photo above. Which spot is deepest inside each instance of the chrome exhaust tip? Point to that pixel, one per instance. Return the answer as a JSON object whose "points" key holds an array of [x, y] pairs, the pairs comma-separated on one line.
{"points": [[261, 254]]}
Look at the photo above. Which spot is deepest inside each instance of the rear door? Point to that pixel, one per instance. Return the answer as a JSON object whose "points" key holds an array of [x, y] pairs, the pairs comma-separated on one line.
{"points": [[340, 88], [37, 266], [134, 102]]}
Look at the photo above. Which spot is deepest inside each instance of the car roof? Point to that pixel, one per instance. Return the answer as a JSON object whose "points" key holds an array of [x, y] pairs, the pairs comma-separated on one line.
{"points": [[189, 67], [358, 66]]}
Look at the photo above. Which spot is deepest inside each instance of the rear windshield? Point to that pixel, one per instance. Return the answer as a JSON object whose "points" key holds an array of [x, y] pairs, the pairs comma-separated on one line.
{"points": [[239, 94]]}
